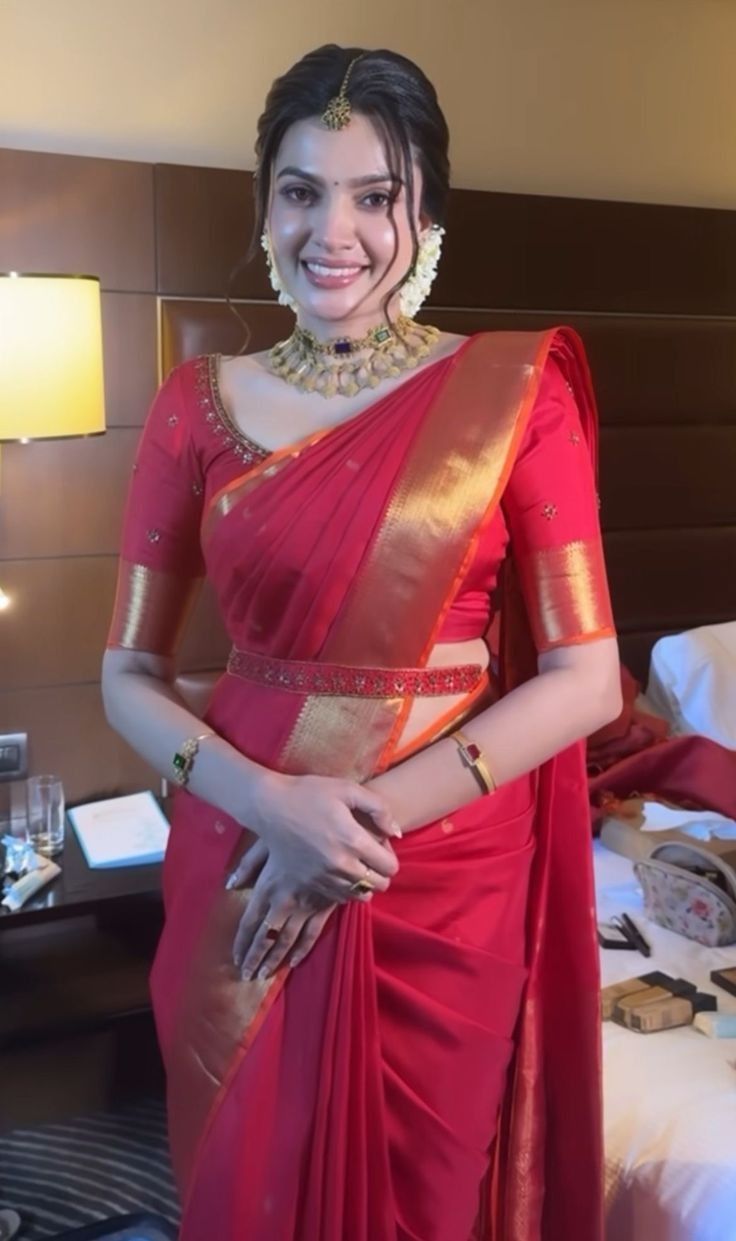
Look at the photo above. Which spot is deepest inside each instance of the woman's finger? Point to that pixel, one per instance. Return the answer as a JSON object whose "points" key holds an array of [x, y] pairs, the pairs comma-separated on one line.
{"points": [[339, 888], [278, 924], [310, 933], [358, 797], [252, 917], [364, 876], [250, 866], [368, 851], [247, 929]]}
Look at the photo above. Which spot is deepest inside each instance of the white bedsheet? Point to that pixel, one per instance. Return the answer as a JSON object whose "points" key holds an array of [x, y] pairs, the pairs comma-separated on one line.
{"points": [[692, 681], [670, 1097]]}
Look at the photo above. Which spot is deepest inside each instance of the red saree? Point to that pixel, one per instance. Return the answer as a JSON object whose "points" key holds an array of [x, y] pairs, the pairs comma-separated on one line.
{"points": [[430, 1072]]}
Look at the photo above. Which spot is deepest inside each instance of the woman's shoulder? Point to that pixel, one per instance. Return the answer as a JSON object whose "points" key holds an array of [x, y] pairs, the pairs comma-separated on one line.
{"points": [[201, 384], [189, 374], [557, 341], [188, 399], [178, 389]]}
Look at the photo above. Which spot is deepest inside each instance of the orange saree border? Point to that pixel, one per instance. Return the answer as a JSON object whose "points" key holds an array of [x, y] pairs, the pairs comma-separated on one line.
{"points": [[448, 490]]}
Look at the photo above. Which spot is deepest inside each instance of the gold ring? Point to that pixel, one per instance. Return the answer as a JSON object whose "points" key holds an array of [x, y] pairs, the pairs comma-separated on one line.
{"points": [[363, 885]]}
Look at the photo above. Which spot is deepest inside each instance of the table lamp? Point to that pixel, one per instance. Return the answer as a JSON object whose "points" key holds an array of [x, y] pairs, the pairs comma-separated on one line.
{"points": [[51, 373], [51, 384], [51, 377]]}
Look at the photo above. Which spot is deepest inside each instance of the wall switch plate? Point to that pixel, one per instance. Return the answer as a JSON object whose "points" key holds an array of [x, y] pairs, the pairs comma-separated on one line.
{"points": [[13, 808], [13, 756]]}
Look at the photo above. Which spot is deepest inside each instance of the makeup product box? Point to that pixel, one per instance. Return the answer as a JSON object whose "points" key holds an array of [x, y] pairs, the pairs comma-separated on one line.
{"points": [[659, 1014], [610, 996], [658, 1009], [637, 999], [725, 979]]}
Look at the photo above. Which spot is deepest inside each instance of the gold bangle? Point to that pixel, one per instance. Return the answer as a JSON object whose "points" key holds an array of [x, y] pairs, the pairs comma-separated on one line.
{"points": [[183, 760], [473, 757]]}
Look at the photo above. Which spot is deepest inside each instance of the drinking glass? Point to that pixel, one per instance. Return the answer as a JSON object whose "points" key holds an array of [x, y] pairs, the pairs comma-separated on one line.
{"points": [[45, 814]]}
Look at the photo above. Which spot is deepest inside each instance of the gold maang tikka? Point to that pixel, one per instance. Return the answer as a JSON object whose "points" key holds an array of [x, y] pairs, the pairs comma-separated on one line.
{"points": [[338, 111]]}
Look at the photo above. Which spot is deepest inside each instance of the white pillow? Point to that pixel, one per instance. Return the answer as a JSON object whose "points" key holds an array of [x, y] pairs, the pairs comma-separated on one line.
{"points": [[692, 680]]}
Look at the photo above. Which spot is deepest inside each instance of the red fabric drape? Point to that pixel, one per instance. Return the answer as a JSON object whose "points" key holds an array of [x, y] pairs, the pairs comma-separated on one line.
{"points": [[693, 772], [552, 1120]]}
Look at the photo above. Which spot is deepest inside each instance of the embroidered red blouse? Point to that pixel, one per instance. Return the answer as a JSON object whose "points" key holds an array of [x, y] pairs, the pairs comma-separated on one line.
{"points": [[191, 448]]}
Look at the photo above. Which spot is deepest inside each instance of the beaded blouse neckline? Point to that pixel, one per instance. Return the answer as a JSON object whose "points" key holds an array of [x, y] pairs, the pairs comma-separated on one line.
{"points": [[253, 448]]}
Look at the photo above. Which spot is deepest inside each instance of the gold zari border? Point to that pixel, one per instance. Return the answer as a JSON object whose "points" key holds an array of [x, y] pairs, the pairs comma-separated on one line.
{"points": [[567, 593], [151, 608], [449, 487], [339, 736]]}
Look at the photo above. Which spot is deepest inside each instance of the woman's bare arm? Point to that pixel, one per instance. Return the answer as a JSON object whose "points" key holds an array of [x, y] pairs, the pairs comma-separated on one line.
{"points": [[142, 704], [576, 691], [309, 822]]}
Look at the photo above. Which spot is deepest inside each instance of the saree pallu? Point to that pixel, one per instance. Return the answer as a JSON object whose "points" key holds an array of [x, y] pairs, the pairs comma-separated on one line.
{"points": [[431, 1071]]}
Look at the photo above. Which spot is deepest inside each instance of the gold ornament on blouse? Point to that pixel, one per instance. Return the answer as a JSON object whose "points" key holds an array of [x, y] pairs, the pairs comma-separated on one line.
{"points": [[345, 366], [338, 112]]}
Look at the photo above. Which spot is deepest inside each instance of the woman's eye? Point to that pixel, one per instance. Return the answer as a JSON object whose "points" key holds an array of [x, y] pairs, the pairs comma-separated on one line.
{"points": [[298, 193], [377, 198]]}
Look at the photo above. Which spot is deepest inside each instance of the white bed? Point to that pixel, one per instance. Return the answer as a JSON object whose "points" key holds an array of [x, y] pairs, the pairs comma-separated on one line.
{"points": [[670, 1097], [692, 682]]}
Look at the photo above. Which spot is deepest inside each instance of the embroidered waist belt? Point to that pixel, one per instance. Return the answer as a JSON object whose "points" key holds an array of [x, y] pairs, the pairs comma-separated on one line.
{"points": [[349, 681]]}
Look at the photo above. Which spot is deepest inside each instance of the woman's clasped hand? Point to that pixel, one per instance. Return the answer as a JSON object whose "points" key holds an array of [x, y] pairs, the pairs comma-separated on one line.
{"points": [[317, 838]]}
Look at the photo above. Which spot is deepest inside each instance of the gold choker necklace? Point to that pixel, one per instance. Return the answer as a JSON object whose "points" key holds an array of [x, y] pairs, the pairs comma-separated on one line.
{"points": [[344, 366]]}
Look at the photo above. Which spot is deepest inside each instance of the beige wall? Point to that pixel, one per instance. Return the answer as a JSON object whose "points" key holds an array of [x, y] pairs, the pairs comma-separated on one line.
{"points": [[626, 99]]}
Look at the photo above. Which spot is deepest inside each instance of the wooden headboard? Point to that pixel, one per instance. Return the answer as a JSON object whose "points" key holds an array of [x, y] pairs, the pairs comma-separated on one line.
{"points": [[651, 289]]}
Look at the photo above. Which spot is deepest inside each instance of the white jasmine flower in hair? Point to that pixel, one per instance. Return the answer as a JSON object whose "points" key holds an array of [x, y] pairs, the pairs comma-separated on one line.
{"points": [[284, 298], [416, 290]]}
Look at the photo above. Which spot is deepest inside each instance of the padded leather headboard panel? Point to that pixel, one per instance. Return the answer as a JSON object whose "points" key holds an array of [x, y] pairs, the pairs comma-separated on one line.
{"points": [[190, 327]]}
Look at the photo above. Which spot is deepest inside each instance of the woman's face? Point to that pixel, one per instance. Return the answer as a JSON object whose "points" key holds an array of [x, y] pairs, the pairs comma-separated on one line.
{"points": [[335, 245]]}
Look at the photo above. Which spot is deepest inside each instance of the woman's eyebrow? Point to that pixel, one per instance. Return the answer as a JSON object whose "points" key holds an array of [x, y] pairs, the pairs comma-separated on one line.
{"points": [[372, 178]]}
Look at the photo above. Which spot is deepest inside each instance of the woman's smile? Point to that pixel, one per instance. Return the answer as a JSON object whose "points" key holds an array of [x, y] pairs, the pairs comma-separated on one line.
{"points": [[324, 274]]}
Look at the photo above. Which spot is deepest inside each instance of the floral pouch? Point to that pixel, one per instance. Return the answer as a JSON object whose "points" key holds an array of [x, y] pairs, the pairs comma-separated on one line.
{"points": [[691, 891]]}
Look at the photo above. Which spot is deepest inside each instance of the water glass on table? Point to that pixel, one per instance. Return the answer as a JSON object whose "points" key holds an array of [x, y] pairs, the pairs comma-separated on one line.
{"points": [[45, 796]]}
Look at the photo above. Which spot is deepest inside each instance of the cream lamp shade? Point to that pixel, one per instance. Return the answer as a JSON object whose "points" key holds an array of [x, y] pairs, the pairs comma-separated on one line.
{"points": [[51, 376]]}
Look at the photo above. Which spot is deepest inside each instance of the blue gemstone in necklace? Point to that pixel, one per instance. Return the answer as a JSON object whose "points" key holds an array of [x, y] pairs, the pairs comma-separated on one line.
{"points": [[343, 346]]}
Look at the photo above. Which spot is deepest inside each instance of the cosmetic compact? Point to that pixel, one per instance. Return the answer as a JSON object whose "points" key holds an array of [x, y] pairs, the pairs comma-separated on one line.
{"points": [[726, 979]]}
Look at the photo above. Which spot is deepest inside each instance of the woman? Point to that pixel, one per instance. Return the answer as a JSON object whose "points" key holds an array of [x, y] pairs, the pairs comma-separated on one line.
{"points": [[376, 990]]}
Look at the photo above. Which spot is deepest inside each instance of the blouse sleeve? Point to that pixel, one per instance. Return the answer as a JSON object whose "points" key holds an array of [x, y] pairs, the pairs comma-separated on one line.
{"points": [[551, 509], [161, 566]]}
